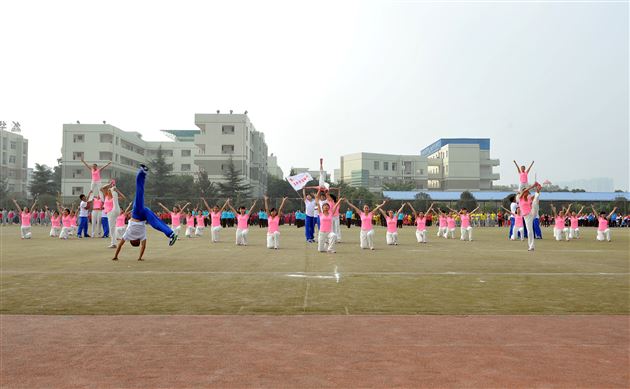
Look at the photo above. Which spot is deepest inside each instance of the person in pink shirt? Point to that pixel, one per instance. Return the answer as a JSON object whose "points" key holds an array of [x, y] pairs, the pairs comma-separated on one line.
{"points": [[55, 223], [273, 224], [560, 231], [176, 216], [450, 225], [200, 220], [95, 171], [421, 223], [121, 225], [66, 222], [603, 230], [465, 227], [523, 175], [391, 220], [190, 224], [111, 209], [215, 219], [25, 218], [242, 223], [326, 237], [574, 220], [366, 236], [97, 210], [519, 226], [442, 224]]}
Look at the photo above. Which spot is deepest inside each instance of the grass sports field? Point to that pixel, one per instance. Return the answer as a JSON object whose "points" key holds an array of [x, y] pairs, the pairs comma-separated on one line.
{"points": [[488, 276]]}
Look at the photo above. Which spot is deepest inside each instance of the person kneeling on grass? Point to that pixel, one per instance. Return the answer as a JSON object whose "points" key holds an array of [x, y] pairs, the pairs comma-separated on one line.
{"points": [[136, 232]]}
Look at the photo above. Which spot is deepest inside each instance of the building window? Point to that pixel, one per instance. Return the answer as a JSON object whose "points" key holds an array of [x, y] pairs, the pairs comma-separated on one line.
{"points": [[385, 165], [13, 145], [77, 173], [394, 166], [421, 172], [77, 190], [227, 149], [78, 138], [77, 155], [11, 158], [186, 153], [105, 156], [407, 167], [25, 147], [227, 129], [376, 165], [107, 138], [185, 167]]}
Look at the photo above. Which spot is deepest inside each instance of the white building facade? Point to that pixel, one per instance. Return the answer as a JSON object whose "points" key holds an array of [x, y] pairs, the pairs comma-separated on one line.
{"points": [[272, 167], [14, 161], [373, 171]]}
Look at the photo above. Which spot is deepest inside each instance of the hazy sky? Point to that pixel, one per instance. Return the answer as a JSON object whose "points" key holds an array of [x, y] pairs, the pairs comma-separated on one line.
{"points": [[544, 80]]}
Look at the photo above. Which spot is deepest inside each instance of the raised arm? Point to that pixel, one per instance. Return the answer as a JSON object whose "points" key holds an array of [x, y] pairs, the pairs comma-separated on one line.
{"points": [[252, 207], [382, 212], [475, 210], [224, 206], [580, 212], [379, 206], [336, 205], [267, 205], [17, 205], [317, 204], [517, 168], [284, 200], [122, 196], [607, 217], [553, 210], [33, 206], [128, 207], [86, 165], [229, 204], [506, 210], [400, 209], [357, 210], [430, 209], [164, 208], [206, 204], [412, 209], [184, 207], [530, 166], [106, 165]]}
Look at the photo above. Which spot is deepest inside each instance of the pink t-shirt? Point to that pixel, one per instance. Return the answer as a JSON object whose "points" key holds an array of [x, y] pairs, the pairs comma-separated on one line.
{"points": [[336, 213], [108, 205], [559, 222], [366, 221], [525, 205], [450, 222], [574, 222], [391, 223], [120, 220], [42, 215], [465, 220], [603, 224], [274, 224], [242, 221], [176, 219], [73, 220], [97, 204], [442, 221], [421, 223], [518, 220], [325, 222], [55, 221], [67, 221], [190, 221], [96, 175], [200, 221], [523, 177], [26, 219], [216, 219]]}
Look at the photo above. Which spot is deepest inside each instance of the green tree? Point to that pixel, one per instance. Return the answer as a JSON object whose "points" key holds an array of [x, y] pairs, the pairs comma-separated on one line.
{"points": [[57, 176], [4, 192], [182, 188], [234, 186], [43, 181], [422, 201], [399, 186], [278, 188], [204, 187], [467, 200], [161, 172]]}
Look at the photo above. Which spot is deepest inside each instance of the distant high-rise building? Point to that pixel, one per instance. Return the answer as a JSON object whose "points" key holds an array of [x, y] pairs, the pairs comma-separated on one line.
{"points": [[273, 169], [14, 161]]}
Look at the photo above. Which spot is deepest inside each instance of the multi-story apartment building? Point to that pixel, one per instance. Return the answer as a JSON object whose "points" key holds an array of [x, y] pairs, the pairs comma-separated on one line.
{"points": [[272, 167], [232, 136], [14, 161], [460, 164], [373, 171], [101, 143], [453, 164]]}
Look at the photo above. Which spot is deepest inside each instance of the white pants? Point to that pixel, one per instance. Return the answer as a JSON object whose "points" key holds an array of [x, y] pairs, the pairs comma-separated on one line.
{"points": [[518, 231], [111, 221], [199, 230], [176, 229], [442, 231], [529, 224], [120, 231], [574, 233], [95, 187], [190, 231], [73, 230], [560, 233], [522, 185], [65, 232], [466, 233], [421, 236], [367, 239], [336, 228], [25, 231], [449, 231], [603, 235], [391, 238], [55, 231], [273, 240], [96, 222], [241, 236], [214, 231], [326, 241]]}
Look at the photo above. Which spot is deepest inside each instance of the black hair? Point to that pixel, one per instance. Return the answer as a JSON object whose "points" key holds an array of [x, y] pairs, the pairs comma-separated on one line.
{"points": [[135, 242], [512, 198], [332, 196], [271, 210], [241, 207], [81, 196]]}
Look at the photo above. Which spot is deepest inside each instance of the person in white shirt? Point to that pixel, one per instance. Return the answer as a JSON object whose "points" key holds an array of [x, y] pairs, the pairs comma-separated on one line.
{"points": [[309, 225]]}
